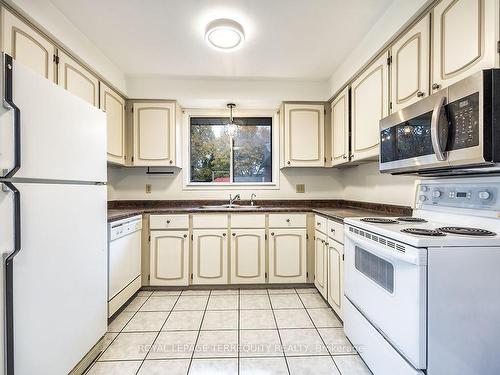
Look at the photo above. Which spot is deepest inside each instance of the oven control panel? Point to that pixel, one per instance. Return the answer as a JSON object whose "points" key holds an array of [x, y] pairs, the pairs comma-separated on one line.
{"points": [[463, 195]]}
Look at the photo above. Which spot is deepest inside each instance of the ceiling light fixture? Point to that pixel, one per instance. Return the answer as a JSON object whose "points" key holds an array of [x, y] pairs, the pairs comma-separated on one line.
{"points": [[224, 34]]}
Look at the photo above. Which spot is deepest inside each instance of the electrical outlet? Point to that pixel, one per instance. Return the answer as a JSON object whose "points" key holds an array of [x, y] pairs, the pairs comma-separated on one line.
{"points": [[148, 188], [300, 188]]}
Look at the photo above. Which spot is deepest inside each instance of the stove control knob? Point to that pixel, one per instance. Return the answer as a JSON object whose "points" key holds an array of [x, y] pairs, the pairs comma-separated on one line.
{"points": [[484, 195], [422, 198], [436, 193], [424, 188]]}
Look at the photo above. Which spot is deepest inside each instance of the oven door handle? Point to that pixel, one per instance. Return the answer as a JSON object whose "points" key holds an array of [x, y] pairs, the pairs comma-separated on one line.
{"points": [[435, 134], [380, 251]]}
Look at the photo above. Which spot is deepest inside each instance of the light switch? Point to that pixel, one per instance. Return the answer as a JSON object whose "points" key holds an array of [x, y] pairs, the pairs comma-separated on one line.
{"points": [[148, 188]]}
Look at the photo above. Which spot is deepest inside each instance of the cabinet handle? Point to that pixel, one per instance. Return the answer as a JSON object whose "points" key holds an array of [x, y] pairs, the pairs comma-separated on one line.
{"points": [[185, 236], [234, 234], [272, 233], [224, 234], [344, 157], [168, 221], [318, 223], [436, 86], [288, 162], [326, 243], [287, 220], [170, 161], [332, 230], [420, 94]]}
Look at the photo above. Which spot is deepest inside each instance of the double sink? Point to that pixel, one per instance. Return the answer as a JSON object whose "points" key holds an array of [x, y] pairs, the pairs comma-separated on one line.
{"points": [[231, 206]]}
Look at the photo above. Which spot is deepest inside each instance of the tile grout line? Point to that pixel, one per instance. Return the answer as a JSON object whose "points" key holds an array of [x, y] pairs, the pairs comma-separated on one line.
{"points": [[321, 337], [279, 334], [199, 331], [158, 334]]}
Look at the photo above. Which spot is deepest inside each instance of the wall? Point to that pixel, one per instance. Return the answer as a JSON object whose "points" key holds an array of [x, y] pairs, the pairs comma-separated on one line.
{"points": [[365, 183], [129, 183], [215, 93], [46, 15]]}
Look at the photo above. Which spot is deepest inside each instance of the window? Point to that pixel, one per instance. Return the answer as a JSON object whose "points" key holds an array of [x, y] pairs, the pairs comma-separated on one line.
{"points": [[222, 154]]}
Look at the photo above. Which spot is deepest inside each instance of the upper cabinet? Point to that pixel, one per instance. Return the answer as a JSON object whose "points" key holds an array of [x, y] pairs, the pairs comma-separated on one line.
{"points": [[114, 106], [410, 66], [77, 80], [27, 46], [304, 135], [464, 39], [370, 103], [154, 133], [340, 128]]}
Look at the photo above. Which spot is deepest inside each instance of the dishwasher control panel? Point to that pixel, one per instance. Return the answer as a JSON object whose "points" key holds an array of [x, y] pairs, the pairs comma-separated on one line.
{"points": [[124, 227]]}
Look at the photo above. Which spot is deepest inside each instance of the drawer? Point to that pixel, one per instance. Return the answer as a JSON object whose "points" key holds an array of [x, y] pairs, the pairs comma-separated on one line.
{"points": [[210, 221], [321, 223], [336, 231], [248, 221], [287, 220], [169, 222]]}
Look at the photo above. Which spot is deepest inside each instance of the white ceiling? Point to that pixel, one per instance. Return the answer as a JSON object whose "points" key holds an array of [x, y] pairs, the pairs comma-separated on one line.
{"points": [[297, 39]]}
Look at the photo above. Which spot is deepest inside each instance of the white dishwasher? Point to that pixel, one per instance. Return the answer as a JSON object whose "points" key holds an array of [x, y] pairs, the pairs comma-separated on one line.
{"points": [[124, 261]]}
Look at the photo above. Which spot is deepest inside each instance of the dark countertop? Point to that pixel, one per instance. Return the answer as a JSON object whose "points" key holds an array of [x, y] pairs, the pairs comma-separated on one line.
{"points": [[334, 209]]}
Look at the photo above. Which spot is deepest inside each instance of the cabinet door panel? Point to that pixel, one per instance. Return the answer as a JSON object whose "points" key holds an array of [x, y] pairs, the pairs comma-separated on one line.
{"points": [[77, 80], [335, 276], [169, 258], [210, 257], [304, 135], [114, 106], [287, 256], [154, 134], [464, 39], [320, 274], [248, 256], [410, 69], [369, 105], [340, 128], [27, 46]]}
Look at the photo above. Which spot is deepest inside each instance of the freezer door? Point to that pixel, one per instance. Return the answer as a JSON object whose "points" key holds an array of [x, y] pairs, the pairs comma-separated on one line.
{"points": [[61, 137], [59, 274]]}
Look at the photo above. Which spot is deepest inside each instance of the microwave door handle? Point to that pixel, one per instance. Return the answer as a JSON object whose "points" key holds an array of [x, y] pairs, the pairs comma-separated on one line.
{"points": [[435, 136]]}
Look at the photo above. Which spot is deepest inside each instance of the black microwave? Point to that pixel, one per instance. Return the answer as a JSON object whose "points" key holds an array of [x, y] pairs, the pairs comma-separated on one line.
{"points": [[454, 131]]}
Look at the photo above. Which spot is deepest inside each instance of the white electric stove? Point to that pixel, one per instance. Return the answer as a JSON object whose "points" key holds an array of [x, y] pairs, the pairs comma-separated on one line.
{"points": [[422, 293]]}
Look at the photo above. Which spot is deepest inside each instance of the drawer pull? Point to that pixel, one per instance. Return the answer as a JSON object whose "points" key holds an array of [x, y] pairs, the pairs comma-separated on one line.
{"points": [[287, 220], [332, 230], [168, 221], [234, 234], [224, 234], [318, 223], [185, 236], [272, 233]]}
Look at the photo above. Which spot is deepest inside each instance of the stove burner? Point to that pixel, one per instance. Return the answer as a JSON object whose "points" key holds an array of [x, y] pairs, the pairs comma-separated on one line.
{"points": [[411, 219], [423, 232], [379, 220], [467, 231]]}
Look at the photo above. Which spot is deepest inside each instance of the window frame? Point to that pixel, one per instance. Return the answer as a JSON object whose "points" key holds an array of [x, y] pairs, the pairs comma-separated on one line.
{"points": [[186, 164]]}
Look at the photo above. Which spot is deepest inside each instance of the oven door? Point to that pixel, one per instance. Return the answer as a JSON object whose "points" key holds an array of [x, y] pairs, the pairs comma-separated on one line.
{"points": [[415, 137], [389, 288]]}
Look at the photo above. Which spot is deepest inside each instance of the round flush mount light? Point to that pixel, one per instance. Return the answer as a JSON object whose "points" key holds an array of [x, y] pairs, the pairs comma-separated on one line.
{"points": [[224, 34]]}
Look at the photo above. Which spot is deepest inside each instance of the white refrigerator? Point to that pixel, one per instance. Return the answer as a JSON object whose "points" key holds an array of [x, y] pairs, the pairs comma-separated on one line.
{"points": [[53, 224]]}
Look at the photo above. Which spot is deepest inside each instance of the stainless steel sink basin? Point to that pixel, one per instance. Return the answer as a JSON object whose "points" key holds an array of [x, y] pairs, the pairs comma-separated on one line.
{"points": [[230, 206]]}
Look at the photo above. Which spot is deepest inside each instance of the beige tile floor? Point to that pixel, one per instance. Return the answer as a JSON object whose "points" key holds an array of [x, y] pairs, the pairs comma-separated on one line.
{"points": [[233, 331]]}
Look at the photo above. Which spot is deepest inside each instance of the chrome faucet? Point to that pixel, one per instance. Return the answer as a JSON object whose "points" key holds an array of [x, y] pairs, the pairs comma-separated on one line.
{"points": [[251, 199], [232, 200]]}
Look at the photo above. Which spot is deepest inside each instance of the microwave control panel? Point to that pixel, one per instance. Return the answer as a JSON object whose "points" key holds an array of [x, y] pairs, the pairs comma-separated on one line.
{"points": [[477, 196], [463, 115]]}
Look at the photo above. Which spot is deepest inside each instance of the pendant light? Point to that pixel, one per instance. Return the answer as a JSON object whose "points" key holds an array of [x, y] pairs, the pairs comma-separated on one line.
{"points": [[231, 127]]}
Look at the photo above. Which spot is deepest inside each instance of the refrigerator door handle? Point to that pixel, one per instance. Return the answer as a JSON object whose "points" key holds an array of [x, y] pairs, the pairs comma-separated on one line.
{"points": [[9, 281], [8, 103]]}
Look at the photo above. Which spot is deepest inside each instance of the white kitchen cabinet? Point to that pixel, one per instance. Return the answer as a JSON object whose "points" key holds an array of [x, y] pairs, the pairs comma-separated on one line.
{"points": [[154, 132], [304, 135], [465, 34], [27, 46], [169, 257], [410, 65], [248, 256], [340, 128], [287, 255], [210, 255], [321, 263], [77, 80], [114, 106], [370, 103], [335, 275]]}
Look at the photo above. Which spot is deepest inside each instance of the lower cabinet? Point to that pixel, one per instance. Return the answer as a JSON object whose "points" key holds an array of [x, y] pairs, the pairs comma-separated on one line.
{"points": [[169, 258], [210, 256], [248, 256], [321, 263], [287, 255], [335, 275]]}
